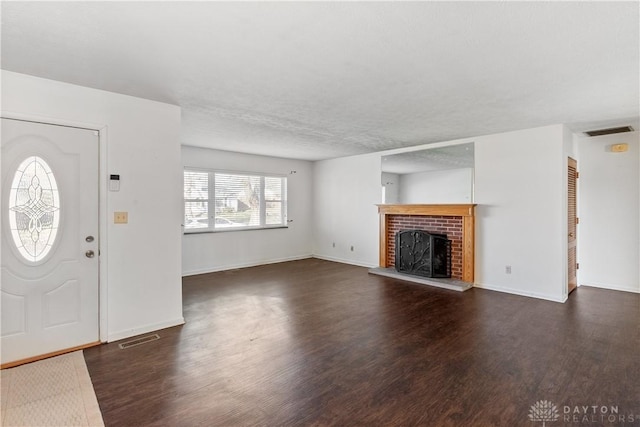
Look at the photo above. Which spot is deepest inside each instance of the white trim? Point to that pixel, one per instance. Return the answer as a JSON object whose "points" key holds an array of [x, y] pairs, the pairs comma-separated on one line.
{"points": [[144, 329], [103, 282], [346, 261], [230, 229], [612, 287], [51, 120], [244, 265], [104, 221], [520, 293]]}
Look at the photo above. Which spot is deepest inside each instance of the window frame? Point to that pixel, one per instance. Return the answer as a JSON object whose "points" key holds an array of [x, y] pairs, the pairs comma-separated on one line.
{"points": [[211, 201]]}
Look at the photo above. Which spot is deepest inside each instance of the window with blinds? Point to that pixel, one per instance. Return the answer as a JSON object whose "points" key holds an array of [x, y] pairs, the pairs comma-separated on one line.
{"points": [[216, 200]]}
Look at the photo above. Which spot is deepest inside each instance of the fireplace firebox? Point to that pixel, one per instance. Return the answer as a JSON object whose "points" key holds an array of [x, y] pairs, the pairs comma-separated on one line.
{"points": [[421, 253]]}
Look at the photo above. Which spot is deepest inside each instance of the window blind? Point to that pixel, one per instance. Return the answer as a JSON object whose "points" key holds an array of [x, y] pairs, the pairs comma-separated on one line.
{"points": [[216, 201]]}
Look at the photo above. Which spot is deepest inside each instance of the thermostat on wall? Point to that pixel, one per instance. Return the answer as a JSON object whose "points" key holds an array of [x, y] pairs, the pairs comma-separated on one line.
{"points": [[114, 182]]}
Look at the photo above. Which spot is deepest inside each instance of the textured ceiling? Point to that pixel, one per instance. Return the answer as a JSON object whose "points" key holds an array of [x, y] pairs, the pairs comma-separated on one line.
{"points": [[314, 80]]}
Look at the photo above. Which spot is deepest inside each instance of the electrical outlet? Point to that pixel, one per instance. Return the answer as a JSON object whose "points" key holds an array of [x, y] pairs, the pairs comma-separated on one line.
{"points": [[351, 248], [507, 269], [334, 244], [120, 217]]}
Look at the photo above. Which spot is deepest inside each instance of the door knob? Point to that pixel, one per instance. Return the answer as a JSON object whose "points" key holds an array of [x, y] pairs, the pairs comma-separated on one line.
{"points": [[89, 254]]}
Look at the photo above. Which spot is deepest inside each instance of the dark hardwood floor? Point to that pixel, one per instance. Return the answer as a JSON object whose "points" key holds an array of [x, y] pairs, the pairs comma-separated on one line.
{"points": [[314, 343]]}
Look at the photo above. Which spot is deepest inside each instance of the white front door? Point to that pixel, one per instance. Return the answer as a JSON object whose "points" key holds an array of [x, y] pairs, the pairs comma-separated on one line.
{"points": [[49, 259]]}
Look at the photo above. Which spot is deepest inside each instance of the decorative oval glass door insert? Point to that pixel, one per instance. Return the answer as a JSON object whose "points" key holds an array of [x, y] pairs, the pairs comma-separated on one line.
{"points": [[34, 209]]}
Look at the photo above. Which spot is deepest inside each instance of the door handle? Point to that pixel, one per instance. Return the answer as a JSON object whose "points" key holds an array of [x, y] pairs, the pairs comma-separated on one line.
{"points": [[89, 254]]}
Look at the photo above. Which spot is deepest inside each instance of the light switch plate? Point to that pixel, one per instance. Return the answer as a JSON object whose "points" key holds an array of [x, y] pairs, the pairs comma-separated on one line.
{"points": [[120, 217]]}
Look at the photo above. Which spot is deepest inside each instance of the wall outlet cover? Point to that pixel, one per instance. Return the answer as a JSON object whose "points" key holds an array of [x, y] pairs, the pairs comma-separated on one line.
{"points": [[120, 217]]}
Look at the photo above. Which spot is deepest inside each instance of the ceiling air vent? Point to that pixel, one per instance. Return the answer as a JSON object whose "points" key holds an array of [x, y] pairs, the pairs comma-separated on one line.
{"points": [[609, 131]]}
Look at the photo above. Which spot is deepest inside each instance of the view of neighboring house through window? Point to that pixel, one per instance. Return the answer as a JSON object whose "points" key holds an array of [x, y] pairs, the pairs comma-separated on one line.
{"points": [[216, 200]]}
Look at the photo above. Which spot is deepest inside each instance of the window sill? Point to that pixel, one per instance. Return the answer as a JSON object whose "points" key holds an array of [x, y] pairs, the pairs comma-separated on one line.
{"points": [[232, 229]]}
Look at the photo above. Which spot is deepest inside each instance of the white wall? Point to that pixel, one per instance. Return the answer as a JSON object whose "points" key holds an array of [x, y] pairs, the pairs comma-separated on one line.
{"points": [[521, 214], [609, 209], [207, 252], [521, 195], [441, 186], [140, 284], [346, 191]]}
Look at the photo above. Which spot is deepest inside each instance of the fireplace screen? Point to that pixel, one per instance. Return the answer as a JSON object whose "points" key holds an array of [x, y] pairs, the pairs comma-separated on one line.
{"points": [[423, 254]]}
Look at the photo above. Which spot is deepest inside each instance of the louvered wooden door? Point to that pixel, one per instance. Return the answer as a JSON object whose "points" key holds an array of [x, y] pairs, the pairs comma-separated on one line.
{"points": [[572, 223]]}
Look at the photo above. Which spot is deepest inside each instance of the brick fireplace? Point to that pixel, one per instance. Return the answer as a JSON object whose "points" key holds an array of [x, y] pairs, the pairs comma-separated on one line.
{"points": [[456, 221]]}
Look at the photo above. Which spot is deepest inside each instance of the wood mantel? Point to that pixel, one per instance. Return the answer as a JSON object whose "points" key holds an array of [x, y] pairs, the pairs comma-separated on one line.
{"points": [[466, 211]]}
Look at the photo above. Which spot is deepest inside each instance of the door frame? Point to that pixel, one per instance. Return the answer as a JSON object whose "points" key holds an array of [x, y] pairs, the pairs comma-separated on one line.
{"points": [[101, 129]]}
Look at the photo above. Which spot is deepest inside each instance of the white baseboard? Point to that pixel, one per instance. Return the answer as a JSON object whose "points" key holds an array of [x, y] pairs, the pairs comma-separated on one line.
{"points": [[243, 265], [612, 287], [520, 292], [345, 261], [144, 329]]}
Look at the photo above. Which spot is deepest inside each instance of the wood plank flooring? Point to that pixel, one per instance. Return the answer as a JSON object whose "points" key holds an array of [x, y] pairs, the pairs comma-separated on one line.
{"points": [[316, 343]]}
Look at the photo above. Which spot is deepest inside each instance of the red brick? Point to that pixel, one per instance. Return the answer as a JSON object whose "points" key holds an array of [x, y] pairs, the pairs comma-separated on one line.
{"points": [[435, 224]]}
